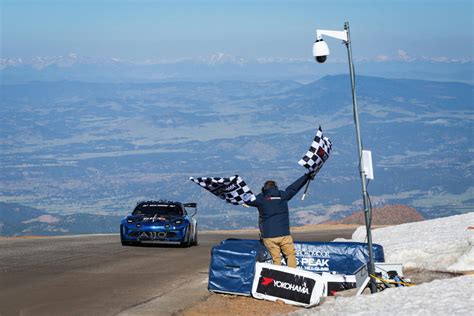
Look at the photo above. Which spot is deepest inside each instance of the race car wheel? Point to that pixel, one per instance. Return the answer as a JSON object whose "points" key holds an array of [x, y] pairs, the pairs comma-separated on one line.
{"points": [[125, 242], [187, 239], [195, 240]]}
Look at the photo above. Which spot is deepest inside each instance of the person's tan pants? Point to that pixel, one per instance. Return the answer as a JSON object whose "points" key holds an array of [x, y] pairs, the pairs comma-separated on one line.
{"points": [[284, 245]]}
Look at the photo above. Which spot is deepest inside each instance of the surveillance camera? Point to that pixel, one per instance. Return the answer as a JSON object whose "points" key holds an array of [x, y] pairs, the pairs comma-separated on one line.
{"points": [[320, 51], [321, 59]]}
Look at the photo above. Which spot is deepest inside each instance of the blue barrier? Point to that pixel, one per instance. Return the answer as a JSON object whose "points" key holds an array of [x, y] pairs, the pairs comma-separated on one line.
{"points": [[338, 257], [232, 266]]}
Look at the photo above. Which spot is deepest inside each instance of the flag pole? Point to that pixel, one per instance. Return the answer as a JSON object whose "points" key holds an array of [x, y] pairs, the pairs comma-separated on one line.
{"points": [[305, 189]]}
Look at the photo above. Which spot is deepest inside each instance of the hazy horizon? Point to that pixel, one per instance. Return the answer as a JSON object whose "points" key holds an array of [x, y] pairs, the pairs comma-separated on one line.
{"points": [[142, 30]]}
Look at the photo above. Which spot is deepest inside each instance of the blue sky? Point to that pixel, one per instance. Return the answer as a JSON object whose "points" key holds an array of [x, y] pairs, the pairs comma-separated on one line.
{"points": [[172, 29]]}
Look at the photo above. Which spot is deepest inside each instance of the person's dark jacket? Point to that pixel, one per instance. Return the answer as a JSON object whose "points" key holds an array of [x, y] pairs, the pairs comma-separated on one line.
{"points": [[272, 206]]}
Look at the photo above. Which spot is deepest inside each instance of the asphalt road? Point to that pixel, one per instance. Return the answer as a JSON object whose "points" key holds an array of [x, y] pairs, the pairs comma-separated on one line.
{"points": [[96, 275]]}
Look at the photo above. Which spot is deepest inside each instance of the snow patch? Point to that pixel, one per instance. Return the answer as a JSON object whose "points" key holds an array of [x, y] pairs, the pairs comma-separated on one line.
{"points": [[440, 297], [49, 219], [465, 263], [442, 244], [438, 122]]}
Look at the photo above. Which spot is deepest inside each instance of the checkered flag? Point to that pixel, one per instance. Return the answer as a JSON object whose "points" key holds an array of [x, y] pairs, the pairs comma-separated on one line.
{"points": [[233, 190], [318, 153], [316, 156]]}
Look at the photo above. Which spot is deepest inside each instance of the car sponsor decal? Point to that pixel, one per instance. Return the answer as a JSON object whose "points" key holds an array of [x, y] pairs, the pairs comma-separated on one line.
{"points": [[154, 218]]}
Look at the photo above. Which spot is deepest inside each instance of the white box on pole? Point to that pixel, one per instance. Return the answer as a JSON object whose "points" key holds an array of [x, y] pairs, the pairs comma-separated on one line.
{"points": [[367, 164]]}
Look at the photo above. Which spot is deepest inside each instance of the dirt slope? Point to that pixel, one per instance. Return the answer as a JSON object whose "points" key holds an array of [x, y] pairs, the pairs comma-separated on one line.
{"points": [[386, 215]]}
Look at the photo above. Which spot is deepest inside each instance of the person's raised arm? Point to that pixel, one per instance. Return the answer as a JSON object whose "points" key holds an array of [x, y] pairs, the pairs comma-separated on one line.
{"points": [[293, 188]]}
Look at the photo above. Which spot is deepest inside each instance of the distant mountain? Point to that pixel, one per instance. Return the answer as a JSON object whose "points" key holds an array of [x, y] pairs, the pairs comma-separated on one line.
{"points": [[73, 147], [13, 215], [221, 66], [20, 220], [386, 215]]}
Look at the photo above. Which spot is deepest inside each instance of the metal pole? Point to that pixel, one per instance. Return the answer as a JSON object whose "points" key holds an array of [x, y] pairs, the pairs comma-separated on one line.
{"points": [[365, 197], [305, 190]]}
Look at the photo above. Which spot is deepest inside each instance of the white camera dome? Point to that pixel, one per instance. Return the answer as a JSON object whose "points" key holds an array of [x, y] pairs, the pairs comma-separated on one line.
{"points": [[320, 50]]}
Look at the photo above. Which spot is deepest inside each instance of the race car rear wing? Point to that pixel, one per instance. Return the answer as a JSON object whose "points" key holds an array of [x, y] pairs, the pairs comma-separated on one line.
{"points": [[191, 205]]}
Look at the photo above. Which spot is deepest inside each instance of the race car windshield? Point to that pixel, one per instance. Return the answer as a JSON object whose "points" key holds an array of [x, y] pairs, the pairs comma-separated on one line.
{"points": [[158, 209]]}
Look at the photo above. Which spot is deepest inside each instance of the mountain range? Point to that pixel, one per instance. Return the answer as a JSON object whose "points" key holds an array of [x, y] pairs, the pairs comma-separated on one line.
{"points": [[221, 66], [70, 147], [20, 220]]}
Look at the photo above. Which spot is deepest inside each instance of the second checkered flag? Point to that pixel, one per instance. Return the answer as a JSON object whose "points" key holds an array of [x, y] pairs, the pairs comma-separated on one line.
{"points": [[233, 190]]}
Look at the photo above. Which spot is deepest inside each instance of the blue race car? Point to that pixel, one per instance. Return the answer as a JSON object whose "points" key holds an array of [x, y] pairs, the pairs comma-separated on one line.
{"points": [[160, 222]]}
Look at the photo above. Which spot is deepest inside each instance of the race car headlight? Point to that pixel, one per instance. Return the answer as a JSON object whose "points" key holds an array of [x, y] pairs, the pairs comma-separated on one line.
{"points": [[129, 220], [178, 221], [139, 225]]}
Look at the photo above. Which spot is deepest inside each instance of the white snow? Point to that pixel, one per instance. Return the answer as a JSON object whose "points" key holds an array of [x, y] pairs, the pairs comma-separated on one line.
{"points": [[465, 263], [43, 219], [442, 244], [440, 297]]}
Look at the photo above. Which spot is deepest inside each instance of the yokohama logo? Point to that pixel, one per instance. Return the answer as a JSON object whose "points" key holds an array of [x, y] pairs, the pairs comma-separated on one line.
{"points": [[285, 285], [291, 287], [267, 281]]}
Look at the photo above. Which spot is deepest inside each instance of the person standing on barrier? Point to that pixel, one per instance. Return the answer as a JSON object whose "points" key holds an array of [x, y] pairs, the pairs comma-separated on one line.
{"points": [[274, 221]]}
